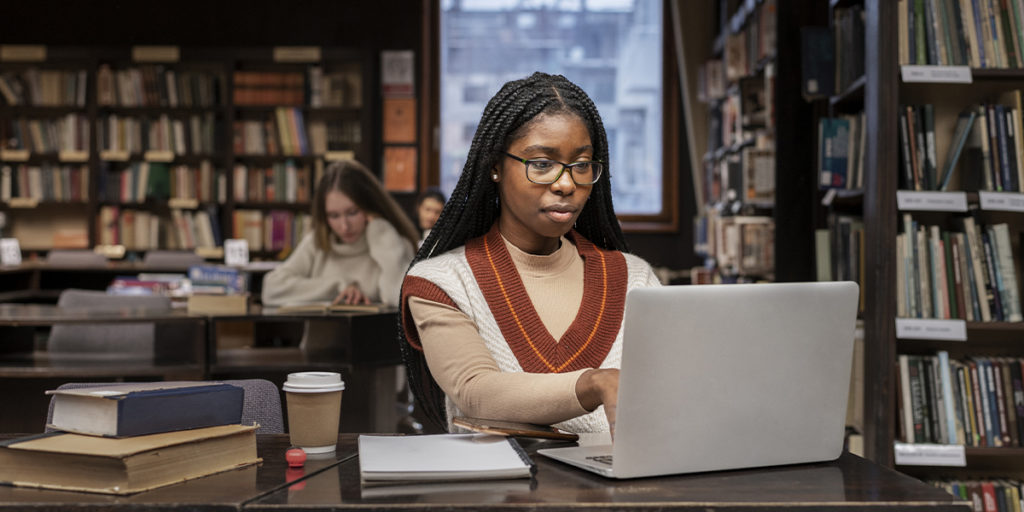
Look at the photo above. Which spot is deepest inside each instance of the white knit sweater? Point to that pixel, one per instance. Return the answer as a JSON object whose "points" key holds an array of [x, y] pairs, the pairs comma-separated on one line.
{"points": [[377, 263]]}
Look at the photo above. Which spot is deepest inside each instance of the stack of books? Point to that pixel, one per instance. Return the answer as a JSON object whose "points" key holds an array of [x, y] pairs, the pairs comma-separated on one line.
{"points": [[127, 438]]}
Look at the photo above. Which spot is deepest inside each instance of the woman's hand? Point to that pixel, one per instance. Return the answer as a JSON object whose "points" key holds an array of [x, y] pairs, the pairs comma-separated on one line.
{"points": [[351, 295], [600, 387]]}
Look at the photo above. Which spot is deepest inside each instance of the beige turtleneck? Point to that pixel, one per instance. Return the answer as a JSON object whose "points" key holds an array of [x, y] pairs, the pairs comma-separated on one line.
{"points": [[465, 370]]}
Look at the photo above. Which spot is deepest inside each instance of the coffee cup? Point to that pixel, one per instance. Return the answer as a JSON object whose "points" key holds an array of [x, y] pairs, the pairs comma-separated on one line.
{"points": [[314, 410]]}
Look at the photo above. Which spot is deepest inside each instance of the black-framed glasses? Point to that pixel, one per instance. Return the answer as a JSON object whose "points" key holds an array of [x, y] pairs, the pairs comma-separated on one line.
{"points": [[545, 172]]}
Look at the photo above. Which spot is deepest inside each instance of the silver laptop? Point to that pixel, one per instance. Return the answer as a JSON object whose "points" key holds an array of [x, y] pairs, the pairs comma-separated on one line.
{"points": [[728, 376]]}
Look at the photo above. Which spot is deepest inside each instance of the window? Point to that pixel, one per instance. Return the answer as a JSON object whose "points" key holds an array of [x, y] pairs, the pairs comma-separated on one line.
{"points": [[611, 48]]}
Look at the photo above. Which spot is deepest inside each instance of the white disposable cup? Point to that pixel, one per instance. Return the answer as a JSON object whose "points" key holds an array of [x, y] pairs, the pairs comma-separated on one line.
{"points": [[314, 410]]}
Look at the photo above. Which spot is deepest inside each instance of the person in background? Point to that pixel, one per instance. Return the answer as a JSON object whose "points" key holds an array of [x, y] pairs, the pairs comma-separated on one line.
{"points": [[513, 309], [359, 248], [428, 209]]}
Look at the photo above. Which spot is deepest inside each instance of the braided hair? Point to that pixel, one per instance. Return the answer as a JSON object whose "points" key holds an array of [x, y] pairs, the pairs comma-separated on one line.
{"points": [[474, 203]]}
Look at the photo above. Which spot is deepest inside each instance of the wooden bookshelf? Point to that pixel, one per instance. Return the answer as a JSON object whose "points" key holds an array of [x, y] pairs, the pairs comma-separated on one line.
{"points": [[884, 92], [123, 92]]}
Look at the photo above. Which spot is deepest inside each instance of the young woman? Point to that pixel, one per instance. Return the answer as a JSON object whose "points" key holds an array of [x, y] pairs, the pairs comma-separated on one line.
{"points": [[428, 209], [359, 248], [513, 307]]}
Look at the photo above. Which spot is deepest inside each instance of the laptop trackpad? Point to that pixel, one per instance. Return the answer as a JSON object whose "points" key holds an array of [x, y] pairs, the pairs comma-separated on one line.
{"points": [[592, 458]]}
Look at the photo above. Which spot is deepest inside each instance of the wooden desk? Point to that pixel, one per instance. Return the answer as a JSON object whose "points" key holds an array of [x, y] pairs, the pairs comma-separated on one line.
{"points": [[227, 491], [850, 483]]}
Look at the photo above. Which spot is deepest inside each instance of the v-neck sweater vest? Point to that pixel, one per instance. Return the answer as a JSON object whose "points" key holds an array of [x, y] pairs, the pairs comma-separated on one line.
{"points": [[483, 282]]}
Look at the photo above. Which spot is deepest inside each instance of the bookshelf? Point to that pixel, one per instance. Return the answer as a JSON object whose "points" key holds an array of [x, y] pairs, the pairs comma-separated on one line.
{"points": [[746, 122], [886, 215], [167, 147]]}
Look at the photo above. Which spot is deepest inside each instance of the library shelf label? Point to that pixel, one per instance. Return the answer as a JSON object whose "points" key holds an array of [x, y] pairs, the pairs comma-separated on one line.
{"points": [[110, 251], [296, 53], [14, 155], [114, 155], [168, 53], [830, 196], [236, 252], [1002, 201], [71, 155], [210, 253], [936, 74], [22, 52], [912, 200], [931, 329], [10, 252], [930, 455], [23, 202], [183, 203], [334, 156], [159, 155]]}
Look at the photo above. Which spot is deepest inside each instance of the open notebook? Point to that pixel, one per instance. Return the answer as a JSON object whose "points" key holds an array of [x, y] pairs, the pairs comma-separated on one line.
{"points": [[441, 457], [728, 376]]}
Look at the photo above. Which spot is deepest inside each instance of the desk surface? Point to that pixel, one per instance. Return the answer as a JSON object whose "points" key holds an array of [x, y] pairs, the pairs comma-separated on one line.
{"points": [[47, 314], [850, 483]]}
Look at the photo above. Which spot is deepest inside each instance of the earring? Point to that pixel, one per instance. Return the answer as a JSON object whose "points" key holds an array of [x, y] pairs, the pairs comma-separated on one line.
{"points": [[494, 176]]}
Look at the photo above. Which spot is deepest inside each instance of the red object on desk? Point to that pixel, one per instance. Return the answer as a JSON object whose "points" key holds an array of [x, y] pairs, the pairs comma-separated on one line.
{"points": [[296, 457]]}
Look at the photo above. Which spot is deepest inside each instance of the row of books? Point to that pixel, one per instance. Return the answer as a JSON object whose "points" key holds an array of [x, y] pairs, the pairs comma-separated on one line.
{"points": [[841, 142], [975, 33], [48, 88], [284, 133], [988, 495], [750, 174], [341, 88], [269, 88], [750, 44], [139, 181], [848, 31], [67, 133], [157, 86], [967, 274], [739, 245], [274, 230], [281, 182], [46, 182], [976, 401], [143, 230], [196, 134], [839, 251]]}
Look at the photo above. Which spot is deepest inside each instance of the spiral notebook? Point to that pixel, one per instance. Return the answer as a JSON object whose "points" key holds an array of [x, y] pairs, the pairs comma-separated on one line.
{"points": [[441, 457]]}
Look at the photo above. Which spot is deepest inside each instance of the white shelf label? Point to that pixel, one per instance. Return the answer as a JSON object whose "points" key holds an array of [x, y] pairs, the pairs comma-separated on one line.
{"points": [[111, 252], [22, 52], [210, 252], [14, 155], [931, 329], [114, 155], [296, 53], [334, 156], [937, 74], [183, 203], [10, 252], [70, 155], [1002, 201], [156, 54], [930, 455], [910, 200], [236, 252], [23, 202], [159, 155]]}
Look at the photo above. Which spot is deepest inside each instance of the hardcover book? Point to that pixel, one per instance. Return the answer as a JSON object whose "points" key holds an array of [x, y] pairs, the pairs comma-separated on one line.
{"points": [[139, 408], [124, 466]]}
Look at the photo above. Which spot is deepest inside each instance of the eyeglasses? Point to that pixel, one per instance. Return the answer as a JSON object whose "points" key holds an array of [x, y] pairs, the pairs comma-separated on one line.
{"points": [[545, 172]]}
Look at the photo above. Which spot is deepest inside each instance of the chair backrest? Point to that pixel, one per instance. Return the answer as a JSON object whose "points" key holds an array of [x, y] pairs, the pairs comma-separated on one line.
{"points": [[75, 258], [113, 341], [171, 259], [261, 403]]}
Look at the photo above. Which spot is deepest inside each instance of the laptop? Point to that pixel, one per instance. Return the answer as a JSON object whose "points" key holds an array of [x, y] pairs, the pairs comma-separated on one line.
{"points": [[724, 377]]}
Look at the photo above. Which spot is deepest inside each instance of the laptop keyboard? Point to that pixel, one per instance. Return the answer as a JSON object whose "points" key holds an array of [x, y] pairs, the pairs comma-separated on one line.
{"points": [[603, 459]]}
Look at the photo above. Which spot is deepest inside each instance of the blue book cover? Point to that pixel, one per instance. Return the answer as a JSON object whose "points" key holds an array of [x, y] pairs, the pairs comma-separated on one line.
{"points": [[835, 151], [232, 279], [139, 408]]}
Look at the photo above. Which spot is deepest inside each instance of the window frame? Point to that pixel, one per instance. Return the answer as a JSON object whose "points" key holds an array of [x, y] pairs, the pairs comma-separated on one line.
{"points": [[665, 221]]}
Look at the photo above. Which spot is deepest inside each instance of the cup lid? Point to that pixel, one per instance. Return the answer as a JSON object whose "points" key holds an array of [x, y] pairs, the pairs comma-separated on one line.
{"points": [[313, 382]]}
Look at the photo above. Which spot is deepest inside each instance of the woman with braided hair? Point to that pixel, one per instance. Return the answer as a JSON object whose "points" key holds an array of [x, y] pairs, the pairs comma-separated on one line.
{"points": [[512, 308]]}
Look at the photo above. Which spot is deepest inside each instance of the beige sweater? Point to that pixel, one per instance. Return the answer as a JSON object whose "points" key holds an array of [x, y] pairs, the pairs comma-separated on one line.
{"points": [[377, 263], [466, 371]]}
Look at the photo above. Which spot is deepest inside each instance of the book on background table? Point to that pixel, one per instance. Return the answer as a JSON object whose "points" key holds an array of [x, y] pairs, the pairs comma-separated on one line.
{"points": [[139, 408], [61, 460], [441, 457], [327, 307]]}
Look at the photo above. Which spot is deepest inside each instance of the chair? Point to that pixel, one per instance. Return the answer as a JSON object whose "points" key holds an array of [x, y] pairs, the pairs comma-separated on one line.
{"points": [[261, 403], [171, 259], [112, 341], [75, 258]]}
